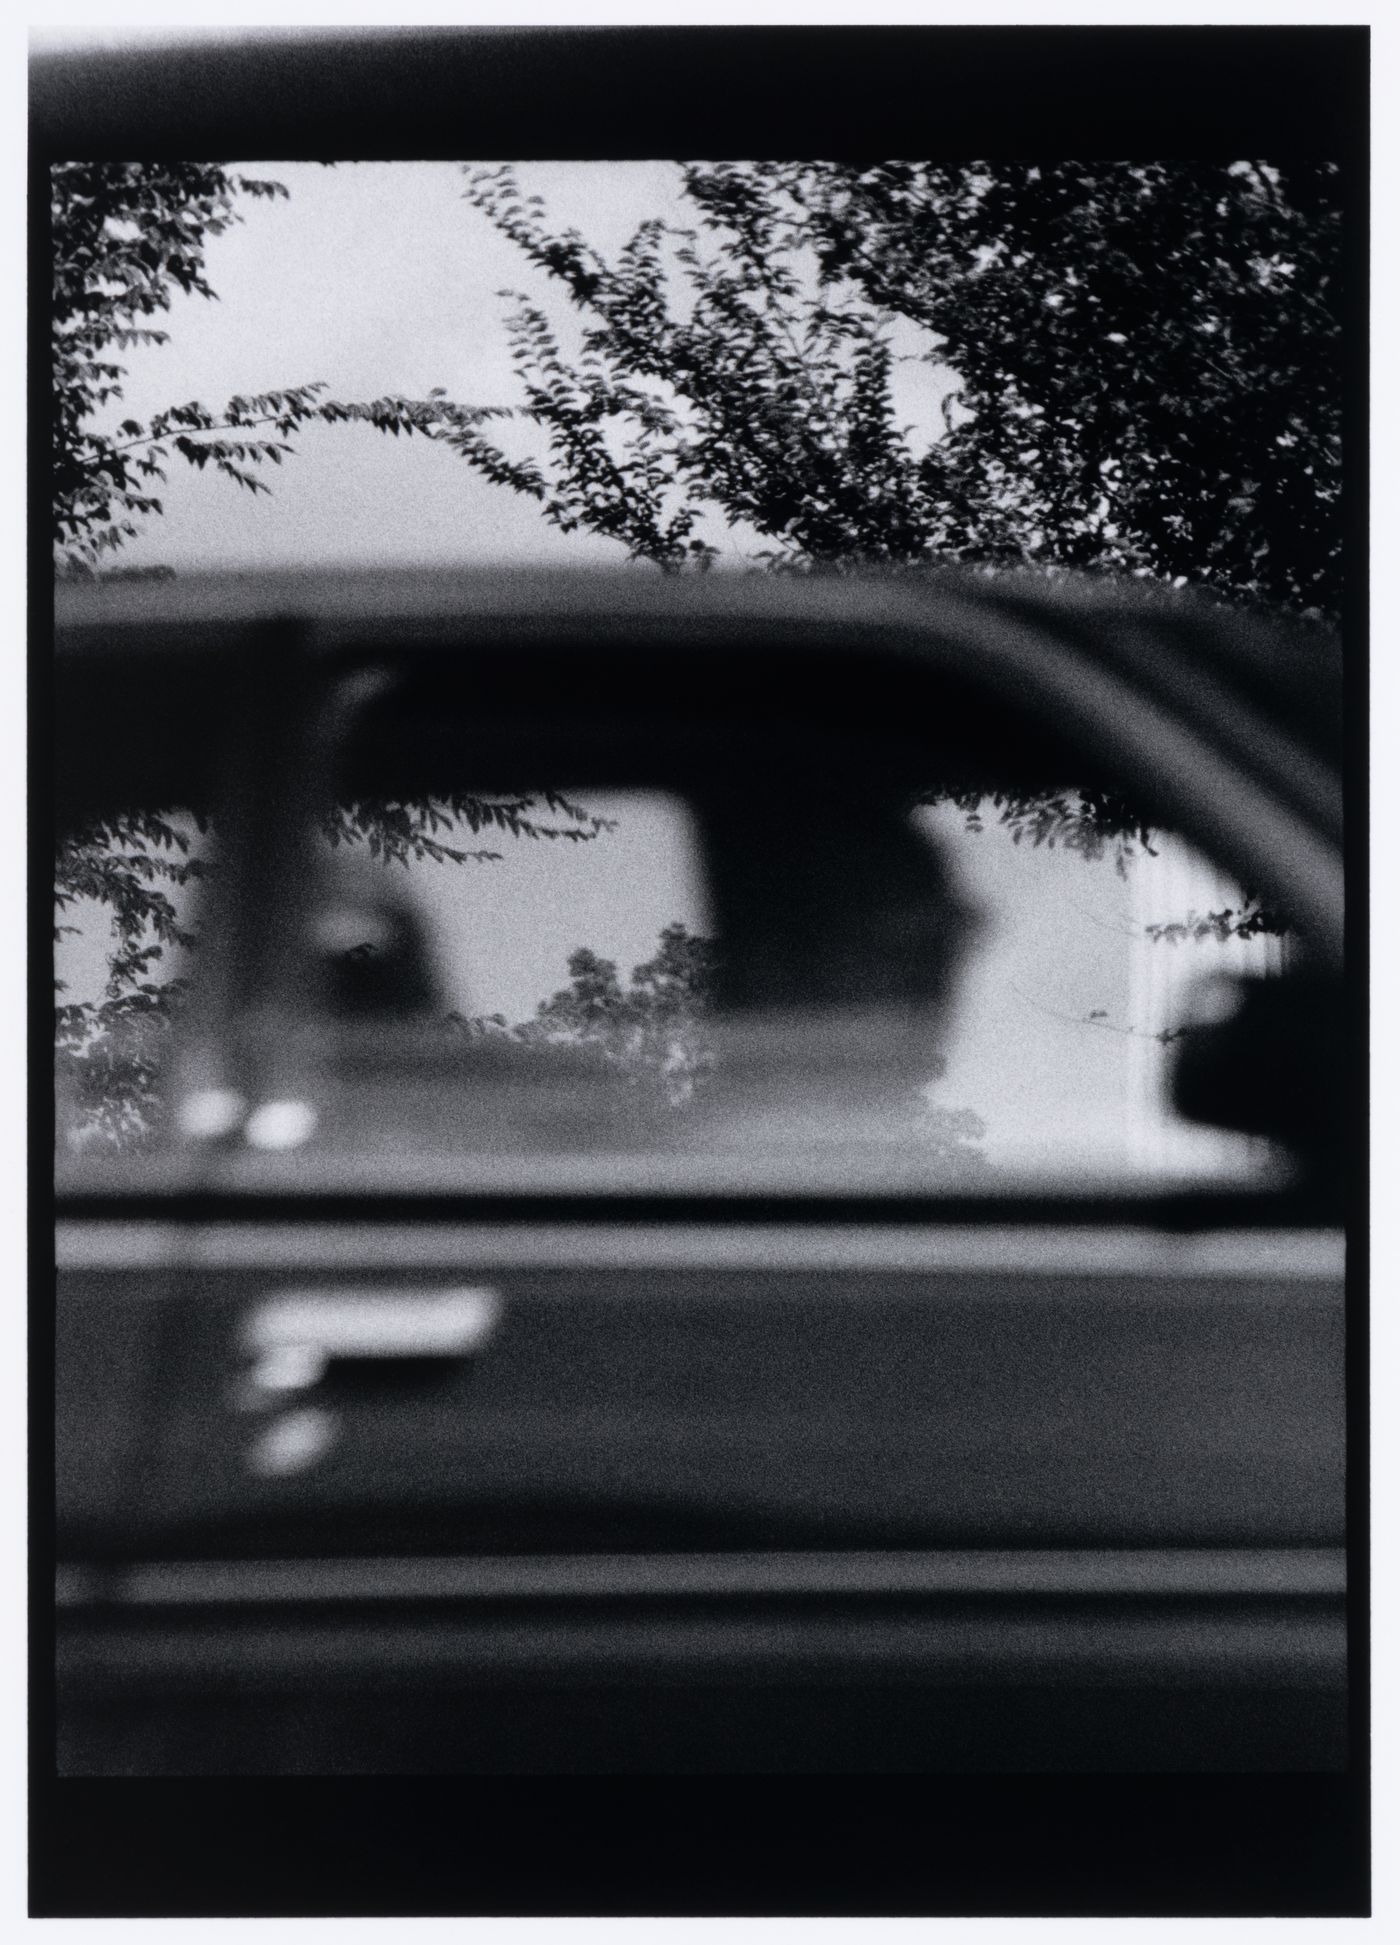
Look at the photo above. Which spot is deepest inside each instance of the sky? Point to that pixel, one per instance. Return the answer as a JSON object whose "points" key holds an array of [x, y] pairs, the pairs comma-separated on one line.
{"points": [[373, 278], [379, 278], [376, 278]]}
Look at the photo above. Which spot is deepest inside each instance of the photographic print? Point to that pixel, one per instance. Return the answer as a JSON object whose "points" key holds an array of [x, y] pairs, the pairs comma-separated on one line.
{"points": [[705, 1102]]}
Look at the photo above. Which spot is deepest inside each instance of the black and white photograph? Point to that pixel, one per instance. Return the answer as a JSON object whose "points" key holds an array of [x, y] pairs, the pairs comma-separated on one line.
{"points": [[698, 711]]}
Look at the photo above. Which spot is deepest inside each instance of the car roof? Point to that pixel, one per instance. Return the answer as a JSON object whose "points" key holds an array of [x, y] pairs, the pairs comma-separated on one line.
{"points": [[1219, 669], [342, 597], [1180, 702]]}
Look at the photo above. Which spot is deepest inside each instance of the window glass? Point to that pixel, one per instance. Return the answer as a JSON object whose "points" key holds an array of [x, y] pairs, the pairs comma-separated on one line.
{"points": [[126, 912], [1087, 968], [981, 999], [1005, 1018]]}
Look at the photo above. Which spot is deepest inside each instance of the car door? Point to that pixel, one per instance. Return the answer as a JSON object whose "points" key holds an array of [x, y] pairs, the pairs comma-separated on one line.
{"points": [[440, 1394]]}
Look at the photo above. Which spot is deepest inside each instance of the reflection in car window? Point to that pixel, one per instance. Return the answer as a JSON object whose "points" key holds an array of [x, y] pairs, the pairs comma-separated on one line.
{"points": [[1086, 971], [126, 916], [546, 994], [548, 974]]}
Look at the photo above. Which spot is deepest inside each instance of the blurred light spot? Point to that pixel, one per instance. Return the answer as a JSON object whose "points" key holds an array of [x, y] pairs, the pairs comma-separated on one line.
{"points": [[280, 1124], [289, 1367], [292, 1443], [211, 1112]]}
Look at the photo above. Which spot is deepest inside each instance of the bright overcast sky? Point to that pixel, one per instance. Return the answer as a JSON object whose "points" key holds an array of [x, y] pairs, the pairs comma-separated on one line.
{"points": [[374, 278]]}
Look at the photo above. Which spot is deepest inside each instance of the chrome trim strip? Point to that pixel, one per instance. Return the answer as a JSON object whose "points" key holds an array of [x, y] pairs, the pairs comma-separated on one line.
{"points": [[1023, 1250], [118, 1245], [332, 1659], [1150, 1573]]}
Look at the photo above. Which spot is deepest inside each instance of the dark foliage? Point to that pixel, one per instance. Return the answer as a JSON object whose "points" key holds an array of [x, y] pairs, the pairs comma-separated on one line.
{"points": [[1141, 370], [125, 238], [1137, 368]]}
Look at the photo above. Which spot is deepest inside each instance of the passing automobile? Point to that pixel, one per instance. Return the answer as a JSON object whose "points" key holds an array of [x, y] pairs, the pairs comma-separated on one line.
{"points": [[669, 1378]]}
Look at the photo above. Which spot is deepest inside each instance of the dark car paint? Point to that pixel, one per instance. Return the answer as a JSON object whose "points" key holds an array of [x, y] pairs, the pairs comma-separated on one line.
{"points": [[1075, 1388]]}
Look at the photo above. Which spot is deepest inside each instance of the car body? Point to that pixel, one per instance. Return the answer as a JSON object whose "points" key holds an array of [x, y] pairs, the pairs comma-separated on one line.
{"points": [[746, 1455]]}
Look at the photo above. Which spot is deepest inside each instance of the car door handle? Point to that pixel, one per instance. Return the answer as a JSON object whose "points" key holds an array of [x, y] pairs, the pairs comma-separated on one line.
{"points": [[293, 1338]]}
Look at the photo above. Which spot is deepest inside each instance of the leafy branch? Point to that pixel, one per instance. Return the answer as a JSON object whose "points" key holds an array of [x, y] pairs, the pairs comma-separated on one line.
{"points": [[1145, 361], [1251, 921], [126, 237]]}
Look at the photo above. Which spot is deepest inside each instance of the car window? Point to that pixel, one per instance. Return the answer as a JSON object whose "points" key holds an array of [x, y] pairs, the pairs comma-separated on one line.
{"points": [[593, 951], [539, 980], [1089, 967], [127, 913]]}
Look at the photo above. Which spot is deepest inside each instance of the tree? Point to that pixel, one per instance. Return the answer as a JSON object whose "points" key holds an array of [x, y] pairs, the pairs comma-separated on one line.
{"points": [[653, 1036], [125, 237], [651, 1031], [1141, 364], [136, 868], [133, 867], [1144, 360]]}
